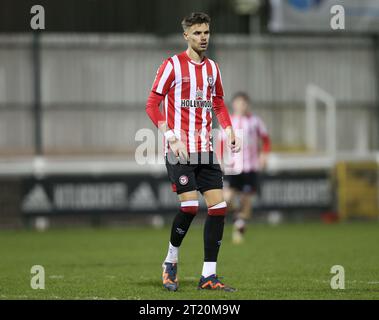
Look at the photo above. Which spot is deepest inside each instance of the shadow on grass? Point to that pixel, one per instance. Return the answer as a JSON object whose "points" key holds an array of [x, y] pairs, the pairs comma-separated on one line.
{"points": [[157, 283]]}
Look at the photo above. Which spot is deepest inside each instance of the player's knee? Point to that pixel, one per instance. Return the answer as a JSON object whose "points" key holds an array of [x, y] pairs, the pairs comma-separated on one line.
{"points": [[219, 209], [190, 206]]}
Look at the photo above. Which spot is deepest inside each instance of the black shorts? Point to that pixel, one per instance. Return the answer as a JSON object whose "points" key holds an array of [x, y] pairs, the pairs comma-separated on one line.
{"points": [[201, 172], [244, 182]]}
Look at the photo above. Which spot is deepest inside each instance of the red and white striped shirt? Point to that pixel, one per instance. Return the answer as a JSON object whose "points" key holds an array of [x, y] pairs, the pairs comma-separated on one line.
{"points": [[251, 130], [189, 89]]}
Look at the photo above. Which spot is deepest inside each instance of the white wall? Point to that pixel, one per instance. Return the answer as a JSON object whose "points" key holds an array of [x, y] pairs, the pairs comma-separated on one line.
{"points": [[94, 87]]}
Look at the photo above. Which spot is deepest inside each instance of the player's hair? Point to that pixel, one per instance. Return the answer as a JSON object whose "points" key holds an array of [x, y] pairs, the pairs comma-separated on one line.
{"points": [[242, 95], [195, 18]]}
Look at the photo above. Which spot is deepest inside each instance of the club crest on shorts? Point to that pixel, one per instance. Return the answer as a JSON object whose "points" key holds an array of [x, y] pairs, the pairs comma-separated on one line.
{"points": [[210, 80], [183, 180]]}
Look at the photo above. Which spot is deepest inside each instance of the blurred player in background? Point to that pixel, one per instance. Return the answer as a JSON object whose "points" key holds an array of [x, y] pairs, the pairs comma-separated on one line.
{"points": [[250, 162], [190, 85]]}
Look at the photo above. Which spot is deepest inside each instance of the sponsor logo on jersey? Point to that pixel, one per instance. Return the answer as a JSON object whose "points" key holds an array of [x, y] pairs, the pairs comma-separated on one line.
{"points": [[188, 103]]}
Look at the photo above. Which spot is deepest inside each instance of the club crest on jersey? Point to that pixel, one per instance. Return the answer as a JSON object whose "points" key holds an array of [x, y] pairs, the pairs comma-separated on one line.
{"points": [[183, 180], [199, 94], [210, 80]]}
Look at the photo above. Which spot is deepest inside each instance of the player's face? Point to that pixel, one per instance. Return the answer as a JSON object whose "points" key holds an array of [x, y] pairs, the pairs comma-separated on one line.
{"points": [[197, 37], [240, 106]]}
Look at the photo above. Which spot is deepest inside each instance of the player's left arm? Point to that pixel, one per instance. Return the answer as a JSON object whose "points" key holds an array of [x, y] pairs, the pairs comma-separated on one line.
{"points": [[222, 114]]}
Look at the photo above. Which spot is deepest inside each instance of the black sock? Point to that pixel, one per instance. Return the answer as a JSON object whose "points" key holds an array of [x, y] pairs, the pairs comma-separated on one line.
{"points": [[180, 226], [213, 231]]}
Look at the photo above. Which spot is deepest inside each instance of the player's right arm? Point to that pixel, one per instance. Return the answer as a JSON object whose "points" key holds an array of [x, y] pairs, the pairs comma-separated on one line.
{"points": [[162, 84], [266, 144]]}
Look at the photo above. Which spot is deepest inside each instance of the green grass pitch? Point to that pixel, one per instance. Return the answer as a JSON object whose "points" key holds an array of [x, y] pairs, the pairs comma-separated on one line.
{"points": [[288, 261]]}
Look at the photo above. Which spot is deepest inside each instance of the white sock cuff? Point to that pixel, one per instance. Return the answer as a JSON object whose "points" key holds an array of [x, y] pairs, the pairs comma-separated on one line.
{"points": [[209, 268], [190, 203], [219, 205], [172, 254], [171, 246]]}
